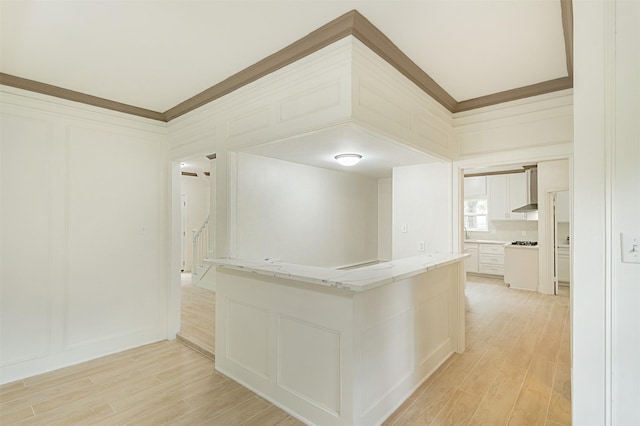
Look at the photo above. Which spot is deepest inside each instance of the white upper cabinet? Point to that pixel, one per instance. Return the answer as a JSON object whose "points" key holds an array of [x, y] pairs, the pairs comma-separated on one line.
{"points": [[507, 192], [498, 194], [562, 206], [475, 186], [517, 194]]}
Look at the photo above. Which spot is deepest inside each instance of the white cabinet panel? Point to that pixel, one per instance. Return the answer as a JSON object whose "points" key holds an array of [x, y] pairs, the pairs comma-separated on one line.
{"points": [[507, 192], [498, 191], [518, 197], [492, 249], [471, 263], [485, 258], [474, 186], [521, 267], [562, 206], [491, 270], [564, 265], [491, 259]]}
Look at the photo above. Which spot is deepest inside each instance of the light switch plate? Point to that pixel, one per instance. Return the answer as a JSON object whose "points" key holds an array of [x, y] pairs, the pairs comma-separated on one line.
{"points": [[630, 242]]}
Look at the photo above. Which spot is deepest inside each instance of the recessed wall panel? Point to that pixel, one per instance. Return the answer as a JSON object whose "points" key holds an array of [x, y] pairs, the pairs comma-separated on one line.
{"points": [[249, 122], [378, 102], [309, 362], [433, 317], [310, 101], [25, 231], [115, 246], [247, 337], [386, 347]]}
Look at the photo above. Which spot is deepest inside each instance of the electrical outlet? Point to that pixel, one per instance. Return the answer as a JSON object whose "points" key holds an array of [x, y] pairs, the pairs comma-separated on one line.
{"points": [[630, 247], [420, 245], [524, 233]]}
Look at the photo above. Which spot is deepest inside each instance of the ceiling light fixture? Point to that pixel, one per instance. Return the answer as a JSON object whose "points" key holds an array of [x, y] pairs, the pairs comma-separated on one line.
{"points": [[348, 159]]}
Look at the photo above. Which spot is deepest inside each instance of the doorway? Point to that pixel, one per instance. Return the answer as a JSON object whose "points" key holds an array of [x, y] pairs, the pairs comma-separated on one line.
{"points": [[196, 316]]}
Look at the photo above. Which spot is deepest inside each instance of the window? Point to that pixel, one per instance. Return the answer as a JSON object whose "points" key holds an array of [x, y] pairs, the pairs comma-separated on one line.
{"points": [[475, 214]]}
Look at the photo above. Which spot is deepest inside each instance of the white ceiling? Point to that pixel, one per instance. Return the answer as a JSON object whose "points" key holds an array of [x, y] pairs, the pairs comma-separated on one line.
{"points": [[156, 54], [318, 149]]}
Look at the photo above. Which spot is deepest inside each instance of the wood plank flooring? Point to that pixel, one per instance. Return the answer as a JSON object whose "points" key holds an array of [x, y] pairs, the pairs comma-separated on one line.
{"points": [[156, 384], [516, 370], [197, 315]]}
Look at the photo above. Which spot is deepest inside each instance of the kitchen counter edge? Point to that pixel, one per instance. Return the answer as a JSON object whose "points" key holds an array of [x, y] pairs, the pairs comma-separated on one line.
{"points": [[357, 280]]}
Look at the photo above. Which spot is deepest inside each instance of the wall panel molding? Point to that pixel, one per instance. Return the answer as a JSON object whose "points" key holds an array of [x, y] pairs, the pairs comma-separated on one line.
{"points": [[319, 382], [26, 269]]}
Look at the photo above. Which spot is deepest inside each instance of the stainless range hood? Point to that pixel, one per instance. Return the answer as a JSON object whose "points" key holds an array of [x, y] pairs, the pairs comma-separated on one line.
{"points": [[532, 191]]}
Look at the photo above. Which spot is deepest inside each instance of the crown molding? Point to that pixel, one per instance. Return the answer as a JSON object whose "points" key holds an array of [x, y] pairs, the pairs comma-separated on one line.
{"points": [[351, 23], [515, 94], [566, 6], [71, 95], [312, 42], [379, 43]]}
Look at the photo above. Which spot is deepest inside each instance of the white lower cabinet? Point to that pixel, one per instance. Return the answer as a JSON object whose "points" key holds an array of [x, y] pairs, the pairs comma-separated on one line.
{"points": [[485, 258], [521, 269], [471, 262], [563, 265], [491, 259]]}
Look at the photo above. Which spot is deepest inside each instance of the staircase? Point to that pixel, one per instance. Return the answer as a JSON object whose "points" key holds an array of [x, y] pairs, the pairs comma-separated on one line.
{"points": [[200, 250]]}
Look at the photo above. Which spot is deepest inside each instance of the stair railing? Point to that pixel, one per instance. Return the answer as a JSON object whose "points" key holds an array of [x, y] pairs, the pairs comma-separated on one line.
{"points": [[200, 246]]}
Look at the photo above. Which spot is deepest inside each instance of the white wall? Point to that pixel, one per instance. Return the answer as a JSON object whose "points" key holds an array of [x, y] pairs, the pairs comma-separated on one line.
{"points": [[626, 214], [527, 130], [606, 197], [508, 230], [196, 191], [539, 125], [422, 200], [84, 230], [304, 214], [385, 218]]}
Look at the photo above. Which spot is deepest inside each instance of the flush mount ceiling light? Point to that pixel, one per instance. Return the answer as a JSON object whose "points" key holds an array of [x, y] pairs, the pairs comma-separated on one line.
{"points": [[348, 159]]}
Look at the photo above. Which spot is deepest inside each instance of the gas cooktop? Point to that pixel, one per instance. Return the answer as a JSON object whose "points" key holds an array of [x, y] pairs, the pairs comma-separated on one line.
{"points": [[524, 243]]}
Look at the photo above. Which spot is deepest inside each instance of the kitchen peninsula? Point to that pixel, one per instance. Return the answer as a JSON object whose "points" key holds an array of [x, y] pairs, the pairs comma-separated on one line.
{"points": [[336, 346]]}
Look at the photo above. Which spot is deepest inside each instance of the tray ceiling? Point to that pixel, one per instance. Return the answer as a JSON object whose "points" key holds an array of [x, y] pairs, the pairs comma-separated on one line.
{"points": [[158, 54]]}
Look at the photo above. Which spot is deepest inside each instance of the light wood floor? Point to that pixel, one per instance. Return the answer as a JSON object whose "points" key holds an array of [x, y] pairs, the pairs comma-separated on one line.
{"points": [[515, 371], [197, 313]]}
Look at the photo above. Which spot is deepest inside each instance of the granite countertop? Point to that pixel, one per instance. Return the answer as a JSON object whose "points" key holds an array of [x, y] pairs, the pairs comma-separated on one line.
{"points": [[358, 279]]}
